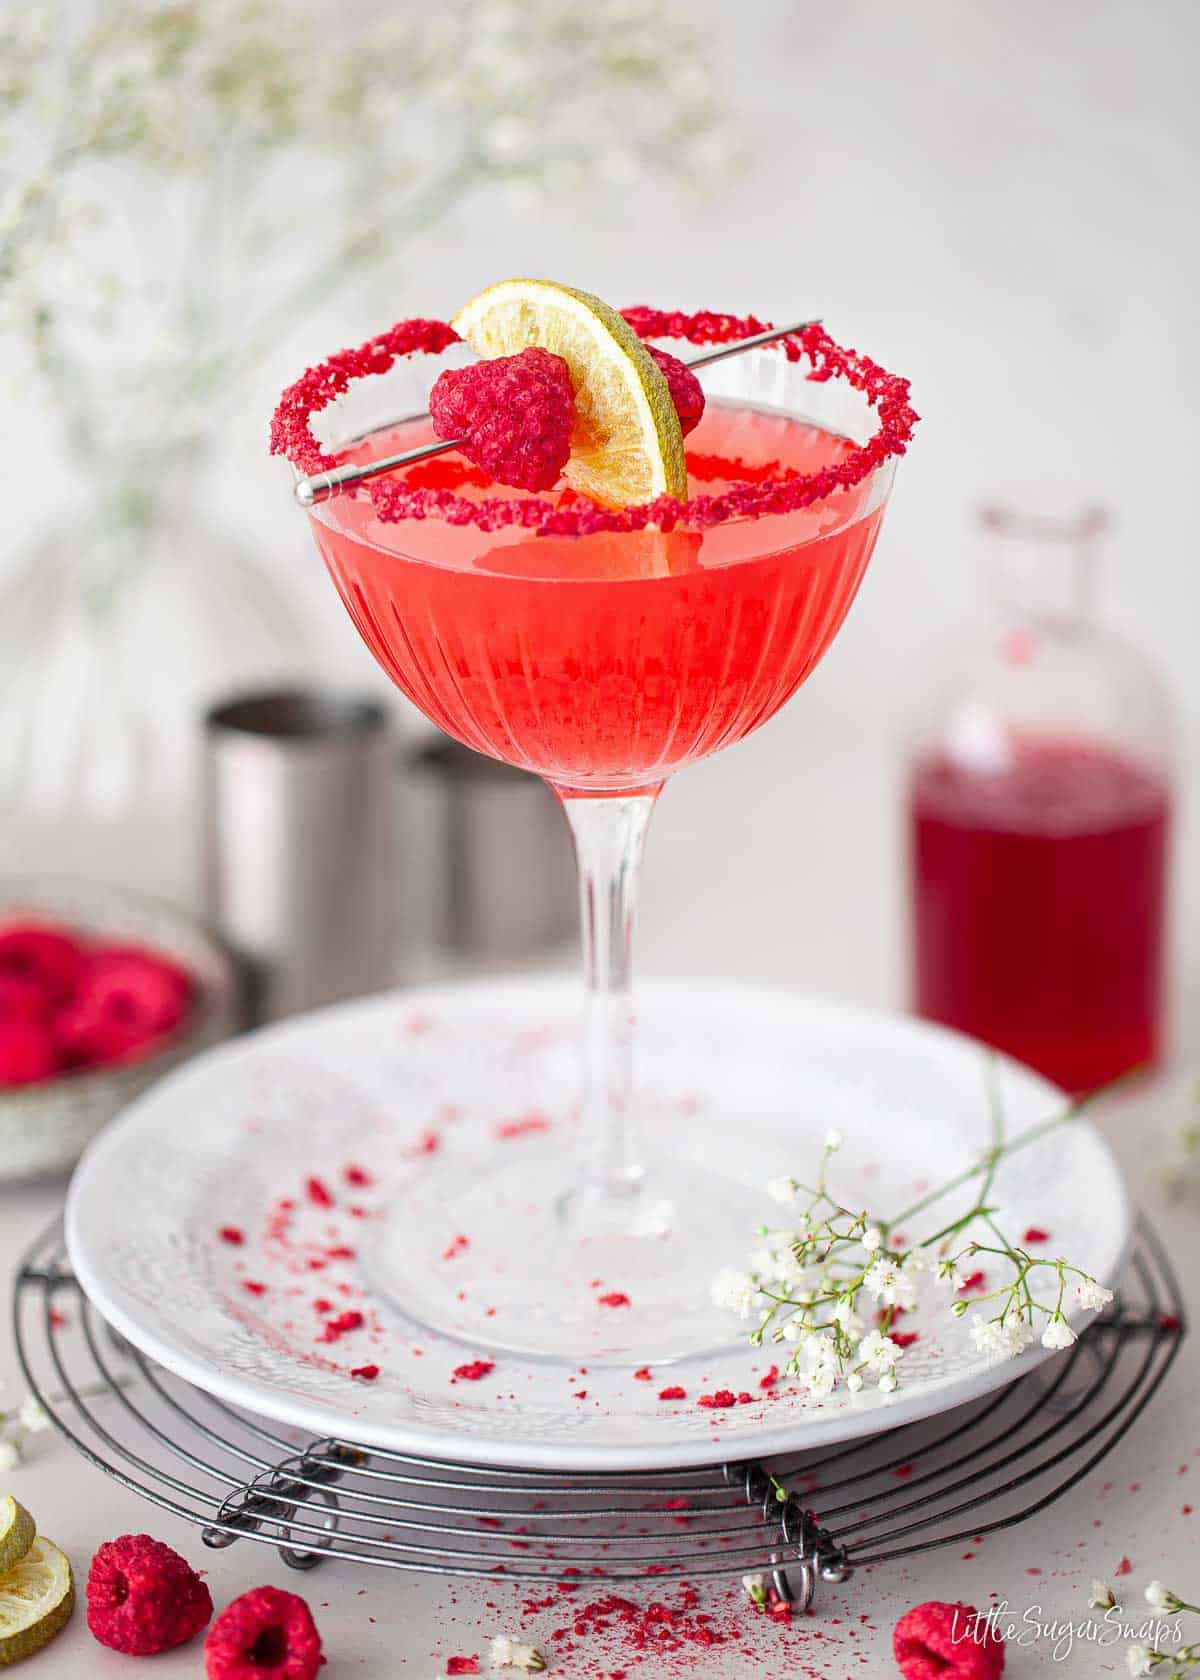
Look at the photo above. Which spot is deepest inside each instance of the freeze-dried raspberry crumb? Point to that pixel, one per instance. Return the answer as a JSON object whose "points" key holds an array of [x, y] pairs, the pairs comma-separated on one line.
{"points": [[462, 1665], [232, 1234], [475, 1371], [769, 1378], [905, 1338], [337, 1327], [253, 1288], [143, 1598], [972, 1282], [685, 389], [675, 1393], [1124, 1567], [365, 1373], [1035, 1234], [397, 497], [614, 1298], [264, 1632], [946, 1642], [356, 1175], [715, 1402], [643, 1375], [512, 414], [317, 1192], [525, 1126]]}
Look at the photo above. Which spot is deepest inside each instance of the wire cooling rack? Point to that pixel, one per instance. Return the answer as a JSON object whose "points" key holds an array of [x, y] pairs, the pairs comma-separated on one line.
{"points": [[804, 1518]]}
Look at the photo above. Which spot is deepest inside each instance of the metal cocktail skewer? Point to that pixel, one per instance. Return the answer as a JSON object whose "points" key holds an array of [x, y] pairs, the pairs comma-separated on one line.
{"points": [[309, 491]]}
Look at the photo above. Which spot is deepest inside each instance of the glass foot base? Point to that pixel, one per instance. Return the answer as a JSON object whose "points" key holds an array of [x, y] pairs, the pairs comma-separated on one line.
{"points": [[507, 1262]]}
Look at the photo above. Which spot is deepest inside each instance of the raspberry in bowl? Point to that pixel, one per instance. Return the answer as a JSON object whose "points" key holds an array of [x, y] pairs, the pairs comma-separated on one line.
{"points": [[101, 991]]}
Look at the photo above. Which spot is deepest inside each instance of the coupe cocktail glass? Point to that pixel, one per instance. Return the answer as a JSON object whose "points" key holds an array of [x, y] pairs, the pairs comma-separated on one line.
{"points": [[602, 660]]}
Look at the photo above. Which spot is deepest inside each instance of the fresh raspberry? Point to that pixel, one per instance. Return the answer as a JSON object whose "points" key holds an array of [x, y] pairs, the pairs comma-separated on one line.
{"points": [[143, 1598], [126, 999], [264, 1632], [686, 391], [49, 958], [513, 413], [26, 1053], [21, 998], [945, 1642]]}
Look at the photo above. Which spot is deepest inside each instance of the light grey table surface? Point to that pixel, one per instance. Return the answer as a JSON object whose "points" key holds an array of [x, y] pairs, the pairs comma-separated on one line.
{"points": [[382, 1628]]}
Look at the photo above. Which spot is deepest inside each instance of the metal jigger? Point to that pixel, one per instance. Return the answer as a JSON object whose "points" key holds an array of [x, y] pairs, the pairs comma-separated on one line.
{"points": [[300, 850]]}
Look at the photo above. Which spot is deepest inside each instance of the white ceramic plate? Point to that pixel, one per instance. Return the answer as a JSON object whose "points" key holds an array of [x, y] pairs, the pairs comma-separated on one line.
{"points": [[394, 1083]]}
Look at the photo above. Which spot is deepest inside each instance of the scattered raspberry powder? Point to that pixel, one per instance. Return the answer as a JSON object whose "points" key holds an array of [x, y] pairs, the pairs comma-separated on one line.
{"points": [[672, 1394], [358, 1176], [769, 1378], [317, 1193], [643, 1375], [143, 1598], [253, 1288], [614, 1298], [526, 1126], [394, 498], [972, 1282], [231, 1234], [715, 1402], [513, 416], [946, 1642], [1124, 1567], [365, 1373], [475, 1371], [263, 1632], [1035, 1234], [339, 1326], [462, 1665], [686, 391]]}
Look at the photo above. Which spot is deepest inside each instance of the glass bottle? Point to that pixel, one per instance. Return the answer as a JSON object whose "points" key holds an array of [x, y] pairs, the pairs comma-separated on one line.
{"points": [[1039, 805]]}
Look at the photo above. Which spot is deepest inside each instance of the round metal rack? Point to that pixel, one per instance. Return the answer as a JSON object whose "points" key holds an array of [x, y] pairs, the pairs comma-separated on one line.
{"points": [[804, 1518]]}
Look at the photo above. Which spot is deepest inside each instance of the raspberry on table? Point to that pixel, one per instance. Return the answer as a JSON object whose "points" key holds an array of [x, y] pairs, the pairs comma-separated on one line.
{"points": [[26, 1053], [143, 1598], [513, 414], [686, 391], [42, 955], [264, 1632], [125, 999], [946, 1642]]}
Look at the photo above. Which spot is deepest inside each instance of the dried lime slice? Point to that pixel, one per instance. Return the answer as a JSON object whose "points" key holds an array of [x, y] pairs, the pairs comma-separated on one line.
{"points": [[17, 1532], [37, 1597], [626, 444]]}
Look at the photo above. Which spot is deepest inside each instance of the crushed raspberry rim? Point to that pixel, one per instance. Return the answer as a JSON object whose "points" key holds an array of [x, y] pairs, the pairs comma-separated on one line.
{"points": [[395, 500]]}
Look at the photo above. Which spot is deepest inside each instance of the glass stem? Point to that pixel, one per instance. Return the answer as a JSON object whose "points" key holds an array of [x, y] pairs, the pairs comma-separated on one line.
{"points": [[609, 835]]}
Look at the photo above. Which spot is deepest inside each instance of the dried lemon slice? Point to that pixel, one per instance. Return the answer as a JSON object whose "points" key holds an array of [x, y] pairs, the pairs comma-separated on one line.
{"points": [[626, 443]]}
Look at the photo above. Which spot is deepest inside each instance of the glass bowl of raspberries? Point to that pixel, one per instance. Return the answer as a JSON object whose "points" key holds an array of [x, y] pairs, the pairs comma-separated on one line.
{"points": [[101, 992]]}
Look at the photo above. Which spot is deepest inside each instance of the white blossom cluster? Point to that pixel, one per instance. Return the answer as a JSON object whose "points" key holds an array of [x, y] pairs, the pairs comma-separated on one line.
{"points": [[829, 1285]]}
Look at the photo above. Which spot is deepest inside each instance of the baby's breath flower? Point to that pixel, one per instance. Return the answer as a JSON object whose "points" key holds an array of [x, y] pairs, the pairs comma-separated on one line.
{"points": [[1161, 1598], [1058, 1333], [872, 1239], [854, 1382], [1140, 1659], [10, 1455], [833, 1140], [32, 1416], [755, 1589], [782, 1189], [888, 1285], [735, 1290], [1101, 1596], [878, 1352], [888, 1382], [1093, 1297]]}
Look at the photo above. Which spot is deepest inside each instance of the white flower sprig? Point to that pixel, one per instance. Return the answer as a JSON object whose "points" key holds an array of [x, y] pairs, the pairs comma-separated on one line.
{"points": [[1177, 1664], [830, 1285]]}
